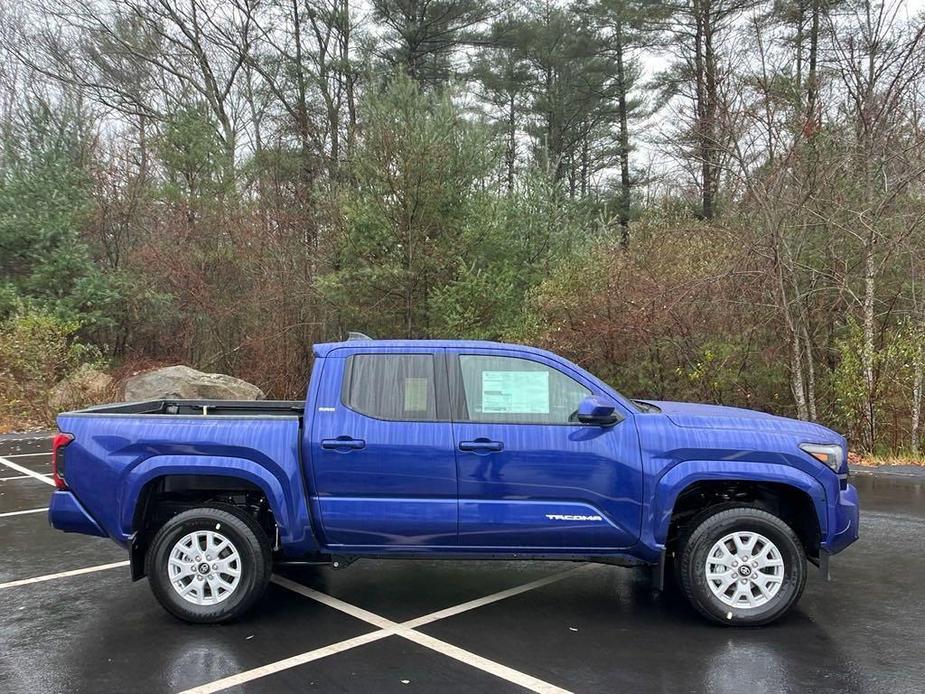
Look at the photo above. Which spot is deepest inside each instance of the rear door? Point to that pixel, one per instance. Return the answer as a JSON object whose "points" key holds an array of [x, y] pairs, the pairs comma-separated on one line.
{"points": [[531, 476], [382, 452]]}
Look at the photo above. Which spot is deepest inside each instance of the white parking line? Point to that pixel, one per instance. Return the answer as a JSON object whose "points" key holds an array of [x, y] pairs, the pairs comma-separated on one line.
{"points": [[494, 597], [405, 629], [386, 626], [28, 455], [503, 672], [336, 603], [20, 513], [63, 574], [26, 471], [22, 477], [294, 661]]}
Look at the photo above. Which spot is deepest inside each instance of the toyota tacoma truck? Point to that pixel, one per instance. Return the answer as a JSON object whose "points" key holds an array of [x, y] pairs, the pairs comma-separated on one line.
{"points": [[455, 450]]}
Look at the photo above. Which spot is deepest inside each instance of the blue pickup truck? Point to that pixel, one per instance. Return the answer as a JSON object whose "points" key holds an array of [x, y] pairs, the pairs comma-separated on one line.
{"points": [[456, 450]]}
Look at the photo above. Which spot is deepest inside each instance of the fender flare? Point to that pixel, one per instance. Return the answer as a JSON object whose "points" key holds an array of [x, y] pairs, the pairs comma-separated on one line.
{"points": [[670, 485], [291, 514]]}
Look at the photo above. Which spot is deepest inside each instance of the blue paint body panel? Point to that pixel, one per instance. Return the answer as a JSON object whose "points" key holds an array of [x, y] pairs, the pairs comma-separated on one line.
{"points": [[341, 482], [507, 497], [65, 513], [112, 458], [399, 489], [578, 527]]}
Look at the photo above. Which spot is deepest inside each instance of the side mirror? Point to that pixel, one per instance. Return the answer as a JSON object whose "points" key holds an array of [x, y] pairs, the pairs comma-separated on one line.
{"points": [[597, 411]]}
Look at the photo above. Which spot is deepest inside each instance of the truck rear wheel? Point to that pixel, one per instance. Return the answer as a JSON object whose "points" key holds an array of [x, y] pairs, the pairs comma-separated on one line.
{"points": [[742, 567], [209, 565]]}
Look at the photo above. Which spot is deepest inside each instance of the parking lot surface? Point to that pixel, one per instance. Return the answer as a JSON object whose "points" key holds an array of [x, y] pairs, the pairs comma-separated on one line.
{"points": [[71, 620]]}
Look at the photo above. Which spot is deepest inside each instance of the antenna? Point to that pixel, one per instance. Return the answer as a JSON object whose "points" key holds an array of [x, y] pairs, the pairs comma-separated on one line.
{"points": [[354, 336]]}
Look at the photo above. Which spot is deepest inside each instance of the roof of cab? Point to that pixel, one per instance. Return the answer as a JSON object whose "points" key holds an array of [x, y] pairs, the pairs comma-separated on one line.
{"points": [[323, 349]]}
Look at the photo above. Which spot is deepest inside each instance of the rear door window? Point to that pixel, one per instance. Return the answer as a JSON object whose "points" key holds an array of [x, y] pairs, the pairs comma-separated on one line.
{"points": [[398, 387]]}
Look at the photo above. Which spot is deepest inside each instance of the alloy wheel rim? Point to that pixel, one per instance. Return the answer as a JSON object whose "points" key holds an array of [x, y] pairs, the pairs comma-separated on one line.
{"points": [[745, 570], [204, 567]]}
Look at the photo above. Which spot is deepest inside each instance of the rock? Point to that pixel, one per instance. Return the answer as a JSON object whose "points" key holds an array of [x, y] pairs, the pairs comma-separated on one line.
{"points": [[86, 386], [182, 382]]}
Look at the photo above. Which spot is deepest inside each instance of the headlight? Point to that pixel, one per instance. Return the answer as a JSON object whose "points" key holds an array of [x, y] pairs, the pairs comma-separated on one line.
{"points": [[831, 454]]}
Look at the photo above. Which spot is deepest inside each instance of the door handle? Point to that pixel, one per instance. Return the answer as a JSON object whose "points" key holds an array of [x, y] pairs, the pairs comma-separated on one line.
{"points": [[481, 445], [343, 443]]}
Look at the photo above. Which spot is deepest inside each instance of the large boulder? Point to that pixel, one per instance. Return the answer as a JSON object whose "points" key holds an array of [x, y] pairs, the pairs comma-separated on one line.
{"points": [[86, 386], [182, 382]]}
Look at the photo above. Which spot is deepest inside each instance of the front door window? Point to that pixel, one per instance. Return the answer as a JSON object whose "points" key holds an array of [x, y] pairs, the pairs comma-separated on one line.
{"points": [[508, 390]]}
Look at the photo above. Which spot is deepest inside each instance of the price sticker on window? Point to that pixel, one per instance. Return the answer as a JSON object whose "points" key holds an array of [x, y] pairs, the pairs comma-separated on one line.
{"points": [[515, 392]]}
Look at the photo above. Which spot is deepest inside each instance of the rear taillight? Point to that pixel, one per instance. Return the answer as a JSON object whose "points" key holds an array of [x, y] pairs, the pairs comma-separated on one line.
{"points": [[58, 445]]}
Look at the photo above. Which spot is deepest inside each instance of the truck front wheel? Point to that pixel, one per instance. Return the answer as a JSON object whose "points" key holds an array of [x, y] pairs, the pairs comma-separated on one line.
{"points": [[209, 565], [742, 566]]}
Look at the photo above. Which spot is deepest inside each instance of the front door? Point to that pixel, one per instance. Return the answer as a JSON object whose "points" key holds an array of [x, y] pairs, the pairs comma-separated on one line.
{"points": [[382, 450], [530, 475]]}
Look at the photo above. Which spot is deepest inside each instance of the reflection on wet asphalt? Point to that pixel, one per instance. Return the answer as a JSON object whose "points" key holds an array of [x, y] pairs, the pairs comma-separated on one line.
{"points": [[600, 630], [863, 632]]}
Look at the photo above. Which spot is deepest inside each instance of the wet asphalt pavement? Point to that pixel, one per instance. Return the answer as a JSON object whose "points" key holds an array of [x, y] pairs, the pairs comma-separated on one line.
{"points": [[593, 629]]}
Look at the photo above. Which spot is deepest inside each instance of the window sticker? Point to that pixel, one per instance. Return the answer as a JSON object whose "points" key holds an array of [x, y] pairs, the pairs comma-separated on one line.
{"points": [[515, 392], [416, 394]]}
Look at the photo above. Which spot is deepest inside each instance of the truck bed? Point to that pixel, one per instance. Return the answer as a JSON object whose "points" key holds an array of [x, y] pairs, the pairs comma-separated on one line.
{"points": [[120, 447], [205, 408]]}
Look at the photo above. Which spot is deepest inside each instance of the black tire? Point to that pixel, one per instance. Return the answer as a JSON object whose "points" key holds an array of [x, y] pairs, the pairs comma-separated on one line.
{"points": [[706, 531], [246, 536]]}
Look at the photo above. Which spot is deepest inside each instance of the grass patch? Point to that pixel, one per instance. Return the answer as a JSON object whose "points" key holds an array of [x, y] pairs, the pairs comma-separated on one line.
{"points": [[882, 459]]}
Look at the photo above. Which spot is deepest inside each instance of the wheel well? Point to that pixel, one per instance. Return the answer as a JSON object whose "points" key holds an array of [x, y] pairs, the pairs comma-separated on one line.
{"points": [[788, 503], [166, 496]]}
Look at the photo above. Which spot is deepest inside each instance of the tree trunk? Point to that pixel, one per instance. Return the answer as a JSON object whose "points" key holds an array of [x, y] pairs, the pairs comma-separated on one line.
{"points": [[711, 183], [917, 386], [705, 85], [867, 350], [798, 52], [810, 371], [585, 168], [812, 88], [511, 153], [797, 383], [624, 214]]}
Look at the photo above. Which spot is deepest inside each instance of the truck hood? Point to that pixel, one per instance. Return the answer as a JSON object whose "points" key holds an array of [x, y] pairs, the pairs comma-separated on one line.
{"points": [[700, 416]]}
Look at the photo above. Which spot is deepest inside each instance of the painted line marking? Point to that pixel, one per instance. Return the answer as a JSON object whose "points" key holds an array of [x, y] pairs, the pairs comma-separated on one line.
{"points": [[23, 477], [503, 672], [494, 597], [405, 630], [20, 513], [336, 603], [26, 471], [497, 669], [294, 661], [27, 455], [63, 574]]}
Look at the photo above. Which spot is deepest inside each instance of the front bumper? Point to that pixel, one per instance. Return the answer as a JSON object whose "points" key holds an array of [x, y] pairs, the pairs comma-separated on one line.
{"points": [[844, 522], [66, 513]]}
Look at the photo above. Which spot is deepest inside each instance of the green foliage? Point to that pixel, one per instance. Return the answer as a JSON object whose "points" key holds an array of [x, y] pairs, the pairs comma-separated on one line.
{"points": [[231, 200], [45, 202], [414, 189], [197, 165], [421, 36], [37, 350], [848, 379], [513, 242], [894, 363]]}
